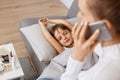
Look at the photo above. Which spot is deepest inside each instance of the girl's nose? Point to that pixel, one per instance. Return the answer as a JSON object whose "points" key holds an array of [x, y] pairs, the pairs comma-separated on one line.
{"points": [[64, 37]]}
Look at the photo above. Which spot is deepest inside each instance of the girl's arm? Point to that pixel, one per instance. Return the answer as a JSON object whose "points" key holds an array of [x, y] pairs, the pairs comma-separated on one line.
{"points": [[49, 37], [57, 21]]}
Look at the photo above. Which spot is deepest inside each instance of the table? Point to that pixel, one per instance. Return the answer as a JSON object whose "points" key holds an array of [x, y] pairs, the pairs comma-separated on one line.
{"points": [[17, 72]]}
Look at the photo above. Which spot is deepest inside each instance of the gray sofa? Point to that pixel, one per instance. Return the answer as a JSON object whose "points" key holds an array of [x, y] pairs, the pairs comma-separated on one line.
{"points": [[39, 66]]}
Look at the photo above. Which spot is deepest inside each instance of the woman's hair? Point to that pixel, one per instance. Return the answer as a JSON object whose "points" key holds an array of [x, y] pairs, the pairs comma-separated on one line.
{"points": [[106, 9], [55, 27]]}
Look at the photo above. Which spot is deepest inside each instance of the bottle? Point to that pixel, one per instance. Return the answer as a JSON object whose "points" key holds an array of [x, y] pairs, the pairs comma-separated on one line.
{"points": [[12, 61]]}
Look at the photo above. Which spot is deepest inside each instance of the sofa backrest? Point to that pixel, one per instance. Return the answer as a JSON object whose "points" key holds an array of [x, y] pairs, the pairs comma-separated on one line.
{"points": [[73, 10]]}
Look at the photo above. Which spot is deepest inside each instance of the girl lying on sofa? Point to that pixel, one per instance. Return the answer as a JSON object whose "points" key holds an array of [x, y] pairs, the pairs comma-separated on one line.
{"points": [[62, 40]]}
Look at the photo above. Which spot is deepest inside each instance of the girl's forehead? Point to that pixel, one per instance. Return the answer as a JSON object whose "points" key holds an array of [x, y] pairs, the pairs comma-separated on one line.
{"points": [[59, 30]]}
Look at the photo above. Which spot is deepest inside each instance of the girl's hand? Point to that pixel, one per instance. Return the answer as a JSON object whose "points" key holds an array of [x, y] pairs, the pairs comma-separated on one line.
{"points": [[83, 47], [43, 21]]}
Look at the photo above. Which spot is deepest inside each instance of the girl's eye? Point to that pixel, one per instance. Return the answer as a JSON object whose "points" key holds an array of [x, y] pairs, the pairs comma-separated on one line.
{"points": [[65, 33], [59, 38]]}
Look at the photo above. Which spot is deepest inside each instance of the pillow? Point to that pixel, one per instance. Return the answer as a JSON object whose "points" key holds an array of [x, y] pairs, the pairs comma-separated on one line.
{"points": [[41, 47], [71, 20]]}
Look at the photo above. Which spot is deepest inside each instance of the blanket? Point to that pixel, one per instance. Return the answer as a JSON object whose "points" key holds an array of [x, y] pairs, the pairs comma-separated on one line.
{"points": [[58, 64]]}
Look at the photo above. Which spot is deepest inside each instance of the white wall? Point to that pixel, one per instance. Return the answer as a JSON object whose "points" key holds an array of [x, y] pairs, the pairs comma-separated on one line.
{"points": [[67, 3]]}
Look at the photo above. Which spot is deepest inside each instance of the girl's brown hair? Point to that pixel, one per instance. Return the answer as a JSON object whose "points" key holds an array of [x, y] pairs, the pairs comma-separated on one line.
{"points": [[106, 9], [55, 27]]}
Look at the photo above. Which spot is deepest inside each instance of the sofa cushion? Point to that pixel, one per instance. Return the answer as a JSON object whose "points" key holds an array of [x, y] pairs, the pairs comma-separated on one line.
{"points": [[40, 45]]}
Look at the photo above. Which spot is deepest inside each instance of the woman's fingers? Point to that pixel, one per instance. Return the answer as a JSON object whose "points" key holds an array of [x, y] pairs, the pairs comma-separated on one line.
{"points": [[83, 31], [94, 37], [74, 29], [78, 30]]}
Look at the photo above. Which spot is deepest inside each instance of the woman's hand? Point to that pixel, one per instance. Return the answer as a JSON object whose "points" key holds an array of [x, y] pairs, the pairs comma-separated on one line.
{"points": [[83, 47]]}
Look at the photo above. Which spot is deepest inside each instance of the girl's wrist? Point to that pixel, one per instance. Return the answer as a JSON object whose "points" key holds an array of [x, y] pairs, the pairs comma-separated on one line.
{"points": [[48, 20]]}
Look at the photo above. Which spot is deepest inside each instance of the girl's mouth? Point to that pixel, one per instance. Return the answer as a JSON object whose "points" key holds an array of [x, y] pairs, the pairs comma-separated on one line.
{"points": [[67, 40]]}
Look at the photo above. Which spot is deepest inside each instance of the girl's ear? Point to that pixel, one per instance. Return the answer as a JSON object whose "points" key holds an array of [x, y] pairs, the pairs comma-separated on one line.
{"points": [[108, 24]]}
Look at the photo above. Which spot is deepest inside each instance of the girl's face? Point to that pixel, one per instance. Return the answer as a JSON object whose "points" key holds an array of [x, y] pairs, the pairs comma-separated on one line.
{"points": [[64, 37], [84, 13]]}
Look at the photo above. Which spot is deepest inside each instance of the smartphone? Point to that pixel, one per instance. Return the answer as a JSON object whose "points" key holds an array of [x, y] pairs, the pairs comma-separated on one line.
{"points": [[105, 34]]}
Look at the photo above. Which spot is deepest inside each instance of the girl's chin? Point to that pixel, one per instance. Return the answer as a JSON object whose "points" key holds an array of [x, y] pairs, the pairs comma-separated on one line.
{"points": [[68, 44]]}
